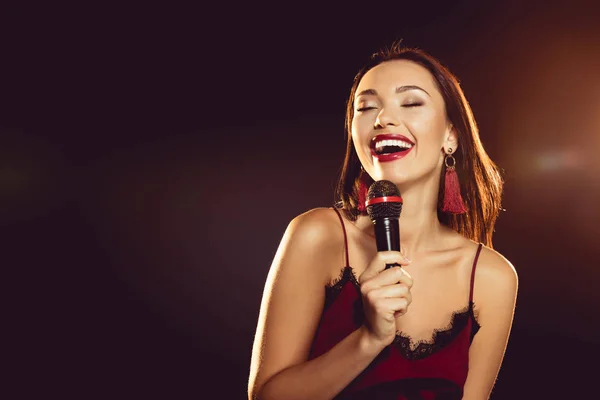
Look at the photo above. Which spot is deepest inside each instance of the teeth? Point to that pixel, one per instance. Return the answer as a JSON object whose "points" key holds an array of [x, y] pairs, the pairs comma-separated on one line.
{"points": [[393, 142]]}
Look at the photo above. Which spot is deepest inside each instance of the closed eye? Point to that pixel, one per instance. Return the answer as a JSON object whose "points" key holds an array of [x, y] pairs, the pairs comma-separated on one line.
{"points": [[412, 105], [365, 109]]}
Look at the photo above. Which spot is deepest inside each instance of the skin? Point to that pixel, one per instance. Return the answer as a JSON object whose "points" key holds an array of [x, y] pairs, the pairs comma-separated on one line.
{"points": [[415, 299]]}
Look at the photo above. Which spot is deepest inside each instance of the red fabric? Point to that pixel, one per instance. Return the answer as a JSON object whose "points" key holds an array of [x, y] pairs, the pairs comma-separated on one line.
{"points": [[391, 375]]}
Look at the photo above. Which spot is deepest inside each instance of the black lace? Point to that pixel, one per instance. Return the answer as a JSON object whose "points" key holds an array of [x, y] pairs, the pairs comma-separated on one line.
{"points": [[332, 289], [439, 339], [404, 343]]}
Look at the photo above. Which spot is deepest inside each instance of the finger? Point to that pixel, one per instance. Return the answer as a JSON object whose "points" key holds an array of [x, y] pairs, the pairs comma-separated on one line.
{"points": [[387, 277], [391, 291], [395, 275], [391, 257], [389, 307], [406, 279], [379, 262]]}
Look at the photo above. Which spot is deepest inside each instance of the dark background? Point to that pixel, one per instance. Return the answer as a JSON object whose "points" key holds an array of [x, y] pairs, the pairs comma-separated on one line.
{"points": [[151, 158]]}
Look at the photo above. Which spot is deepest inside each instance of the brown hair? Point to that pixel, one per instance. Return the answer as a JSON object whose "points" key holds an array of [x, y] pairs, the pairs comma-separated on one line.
{"points": [[480, 180]]}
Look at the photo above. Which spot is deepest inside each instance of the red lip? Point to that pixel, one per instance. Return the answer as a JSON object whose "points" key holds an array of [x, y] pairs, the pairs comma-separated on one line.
{"points": [[392, 156]]}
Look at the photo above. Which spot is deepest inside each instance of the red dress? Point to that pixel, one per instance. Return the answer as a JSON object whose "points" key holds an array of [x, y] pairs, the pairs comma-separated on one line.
{"points": [[433, 370]]}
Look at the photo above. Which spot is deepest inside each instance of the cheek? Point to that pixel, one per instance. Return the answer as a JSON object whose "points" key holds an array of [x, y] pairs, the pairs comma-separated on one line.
{"points": [[428, 129], [358, 126], [359, 137], [360, 131]]}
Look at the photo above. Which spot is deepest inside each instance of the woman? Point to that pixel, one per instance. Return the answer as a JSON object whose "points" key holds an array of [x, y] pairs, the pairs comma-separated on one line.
{"points": [[335, 322]]}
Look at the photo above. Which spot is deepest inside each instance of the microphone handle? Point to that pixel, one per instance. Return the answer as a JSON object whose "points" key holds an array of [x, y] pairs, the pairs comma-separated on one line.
{"points": [[387, 236]]}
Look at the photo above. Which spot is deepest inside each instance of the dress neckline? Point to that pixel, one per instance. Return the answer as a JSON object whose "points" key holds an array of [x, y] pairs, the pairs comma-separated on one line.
{"points": [[408, 347]]}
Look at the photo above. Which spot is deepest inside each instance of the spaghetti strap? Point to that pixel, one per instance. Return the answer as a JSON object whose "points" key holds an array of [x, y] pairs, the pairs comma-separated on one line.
{"points": [[473, 272], [345, 237]]}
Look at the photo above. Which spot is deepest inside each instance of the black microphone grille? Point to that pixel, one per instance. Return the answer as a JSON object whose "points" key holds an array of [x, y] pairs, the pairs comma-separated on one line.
{"points": [[383, 188], [384, 200]]}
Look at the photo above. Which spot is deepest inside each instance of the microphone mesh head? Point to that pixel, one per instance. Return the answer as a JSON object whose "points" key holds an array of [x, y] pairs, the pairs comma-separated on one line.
{"points": [[386, 209]]}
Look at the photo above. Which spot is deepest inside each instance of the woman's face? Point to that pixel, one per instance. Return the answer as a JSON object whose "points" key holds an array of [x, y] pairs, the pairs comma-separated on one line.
{"points": [[399, 129]]}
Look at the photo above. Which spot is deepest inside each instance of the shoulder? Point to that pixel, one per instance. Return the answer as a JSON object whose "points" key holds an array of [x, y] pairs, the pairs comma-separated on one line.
{"points": [[319, 226], [496, 280], [314, 240], [494, 269]]}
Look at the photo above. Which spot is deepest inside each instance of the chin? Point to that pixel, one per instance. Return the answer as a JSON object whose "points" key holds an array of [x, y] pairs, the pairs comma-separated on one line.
{"points": [[405, 175], [393, 176]]}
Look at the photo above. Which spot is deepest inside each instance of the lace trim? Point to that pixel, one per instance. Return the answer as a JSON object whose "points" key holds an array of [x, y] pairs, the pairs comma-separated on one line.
{"points": [[440, 338], [412, 350], [333, 288]]}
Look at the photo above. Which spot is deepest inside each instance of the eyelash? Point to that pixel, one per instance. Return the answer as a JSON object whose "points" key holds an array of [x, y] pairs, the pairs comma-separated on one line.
{"points": [[410, 105]]}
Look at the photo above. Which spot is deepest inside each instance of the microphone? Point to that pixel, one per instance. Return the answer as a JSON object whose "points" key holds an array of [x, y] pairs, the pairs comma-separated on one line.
{"points": [[384, 205]]}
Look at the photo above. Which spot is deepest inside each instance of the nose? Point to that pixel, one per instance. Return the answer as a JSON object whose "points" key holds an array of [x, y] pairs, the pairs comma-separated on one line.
{"points": [[386, 118]]}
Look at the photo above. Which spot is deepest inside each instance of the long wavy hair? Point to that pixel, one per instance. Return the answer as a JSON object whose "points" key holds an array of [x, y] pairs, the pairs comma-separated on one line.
{"points": [[480, 179]]}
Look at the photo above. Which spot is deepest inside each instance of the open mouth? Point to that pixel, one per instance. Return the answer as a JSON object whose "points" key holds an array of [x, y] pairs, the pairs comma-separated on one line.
{"points": [[389, 147]]}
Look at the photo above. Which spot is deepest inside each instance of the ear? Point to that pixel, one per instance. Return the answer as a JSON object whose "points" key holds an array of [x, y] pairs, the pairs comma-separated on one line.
{"points": [[451, 140]]}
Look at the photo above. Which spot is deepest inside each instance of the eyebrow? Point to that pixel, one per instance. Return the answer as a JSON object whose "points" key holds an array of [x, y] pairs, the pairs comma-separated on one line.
{"points": [[399, 89]]}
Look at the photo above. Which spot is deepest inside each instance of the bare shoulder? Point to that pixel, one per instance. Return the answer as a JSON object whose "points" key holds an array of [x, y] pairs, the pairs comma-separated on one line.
{"points": [[496, 279], [317, 227], [493, 269], [316, 237], [496, 285]]}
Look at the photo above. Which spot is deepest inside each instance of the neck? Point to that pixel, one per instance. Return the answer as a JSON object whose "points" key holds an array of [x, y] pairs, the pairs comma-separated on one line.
{"points": [[419, 224]]}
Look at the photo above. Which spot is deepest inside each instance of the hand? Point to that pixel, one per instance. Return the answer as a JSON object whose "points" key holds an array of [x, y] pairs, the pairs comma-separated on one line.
{"points": [[385, 295]]}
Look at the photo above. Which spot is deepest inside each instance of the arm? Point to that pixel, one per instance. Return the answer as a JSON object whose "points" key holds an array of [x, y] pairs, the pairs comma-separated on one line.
{"points": [[495, 293], [290, 311]]}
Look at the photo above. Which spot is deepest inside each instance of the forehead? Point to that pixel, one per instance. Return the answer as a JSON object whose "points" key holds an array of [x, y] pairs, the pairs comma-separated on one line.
{"points": [[389, 75]]}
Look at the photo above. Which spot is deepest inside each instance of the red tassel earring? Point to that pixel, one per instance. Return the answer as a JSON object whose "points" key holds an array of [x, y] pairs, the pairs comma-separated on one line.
{"points": [[453, 202], [363, 189]]}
